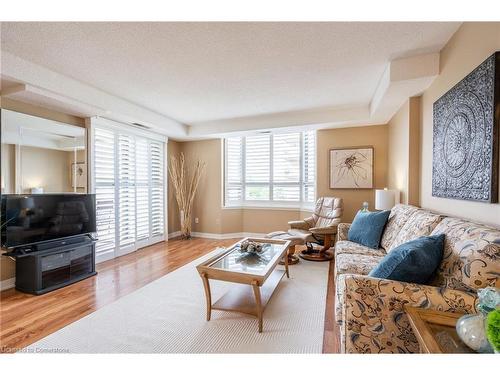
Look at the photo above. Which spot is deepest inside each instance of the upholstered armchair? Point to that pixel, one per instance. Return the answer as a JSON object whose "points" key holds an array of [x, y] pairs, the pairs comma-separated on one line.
{"points": [[320, 228]]}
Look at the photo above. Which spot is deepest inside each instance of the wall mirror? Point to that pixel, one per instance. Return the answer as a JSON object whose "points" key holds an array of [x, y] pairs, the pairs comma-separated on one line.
{"points": [[41, 156]]}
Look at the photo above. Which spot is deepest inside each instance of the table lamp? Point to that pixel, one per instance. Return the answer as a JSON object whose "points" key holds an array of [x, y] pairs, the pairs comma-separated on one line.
{"points": [[385, 199]]}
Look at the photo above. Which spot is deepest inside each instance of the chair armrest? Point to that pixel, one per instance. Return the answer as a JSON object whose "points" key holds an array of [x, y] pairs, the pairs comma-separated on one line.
{"points": [[299, 224], [331, 229], [372, 316], [342, 230]]}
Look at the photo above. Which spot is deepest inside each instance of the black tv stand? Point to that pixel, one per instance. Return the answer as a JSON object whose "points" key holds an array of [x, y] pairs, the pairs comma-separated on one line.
{"points": [[52, 265]]}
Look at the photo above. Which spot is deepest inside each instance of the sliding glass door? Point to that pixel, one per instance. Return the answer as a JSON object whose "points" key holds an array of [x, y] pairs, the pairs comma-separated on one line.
{"points": [[129, 183]]}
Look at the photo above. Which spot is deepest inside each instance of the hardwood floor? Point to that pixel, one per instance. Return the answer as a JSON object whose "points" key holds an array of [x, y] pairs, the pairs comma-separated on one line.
{"points": [[25, 319], [331, 343]]}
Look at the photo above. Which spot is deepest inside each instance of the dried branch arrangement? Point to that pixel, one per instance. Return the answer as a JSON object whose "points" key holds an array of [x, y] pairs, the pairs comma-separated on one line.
{"points": [[185, 183]]}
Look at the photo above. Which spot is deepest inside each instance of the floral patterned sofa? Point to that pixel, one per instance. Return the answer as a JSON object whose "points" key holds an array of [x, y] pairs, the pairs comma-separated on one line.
{"points": [[370, 311]]}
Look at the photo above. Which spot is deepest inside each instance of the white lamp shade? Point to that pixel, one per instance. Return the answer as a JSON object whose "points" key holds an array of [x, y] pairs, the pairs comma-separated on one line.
{"points": [[37, 190], [384, 199]]}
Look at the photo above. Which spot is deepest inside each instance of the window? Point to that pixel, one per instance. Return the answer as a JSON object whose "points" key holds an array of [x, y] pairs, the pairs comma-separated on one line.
{"points": [[129, 188], [270, 169]]}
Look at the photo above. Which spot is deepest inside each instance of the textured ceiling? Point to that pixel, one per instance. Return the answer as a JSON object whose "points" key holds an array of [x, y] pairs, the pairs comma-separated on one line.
{"points": [[196, 72]]}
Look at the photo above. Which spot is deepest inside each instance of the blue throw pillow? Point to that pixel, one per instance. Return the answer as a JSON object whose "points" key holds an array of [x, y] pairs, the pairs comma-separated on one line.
{"points": [[413, 262], [367, 227]]}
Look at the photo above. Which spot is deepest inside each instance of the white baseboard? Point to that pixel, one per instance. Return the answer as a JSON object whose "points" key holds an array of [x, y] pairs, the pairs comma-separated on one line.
{"points": [[8, 284], [214, 236], [243, 234], [174, 234], [218, 236]]}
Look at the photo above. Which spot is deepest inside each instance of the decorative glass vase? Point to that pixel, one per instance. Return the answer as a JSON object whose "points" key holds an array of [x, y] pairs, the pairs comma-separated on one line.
{"points": [[365, 206], [471, 328]]}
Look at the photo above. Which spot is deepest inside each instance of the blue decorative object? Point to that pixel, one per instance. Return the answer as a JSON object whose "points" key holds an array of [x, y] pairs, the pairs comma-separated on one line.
{"points": [[489, 299], [412, 262], [367, 228], [471, 328]]}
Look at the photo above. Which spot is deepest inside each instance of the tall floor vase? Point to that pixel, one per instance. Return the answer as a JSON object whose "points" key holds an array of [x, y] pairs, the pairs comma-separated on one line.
{"points": [[185, 225]]}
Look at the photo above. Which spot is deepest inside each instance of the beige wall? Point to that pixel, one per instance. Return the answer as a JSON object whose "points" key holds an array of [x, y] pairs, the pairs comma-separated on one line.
{"points": [[42, 167], [414, 152], [399, 132], [470, 46], [376, 136], [404, 152], [265, 221], [173, 148], [207, 203]]}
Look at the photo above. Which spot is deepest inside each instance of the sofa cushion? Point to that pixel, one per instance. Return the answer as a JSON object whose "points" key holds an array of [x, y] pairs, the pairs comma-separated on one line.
{"points": [[471, 258], [367, 228], [355, 263], [412, 262], [400, 214], [348, 247], [420, 223]]}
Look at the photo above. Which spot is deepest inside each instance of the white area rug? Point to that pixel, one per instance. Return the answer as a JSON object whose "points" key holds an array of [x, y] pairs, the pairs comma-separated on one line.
{"points": [[168, 316]]}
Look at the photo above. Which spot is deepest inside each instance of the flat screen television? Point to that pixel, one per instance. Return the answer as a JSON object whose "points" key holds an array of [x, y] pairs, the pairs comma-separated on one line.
{"points": [[29, 219]]}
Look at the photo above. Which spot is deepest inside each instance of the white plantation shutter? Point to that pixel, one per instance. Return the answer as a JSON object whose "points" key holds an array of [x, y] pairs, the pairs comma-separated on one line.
{"points": [[286, 167], [126, 189], [270, 168], [309, 147], [104, 172], [129, 186], [142, 196], [156, 188], [234, 169], [257, 167]]}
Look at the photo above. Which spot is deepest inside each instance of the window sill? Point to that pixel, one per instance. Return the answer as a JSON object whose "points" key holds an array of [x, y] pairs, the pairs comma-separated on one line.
{"points": [[275, 207]]}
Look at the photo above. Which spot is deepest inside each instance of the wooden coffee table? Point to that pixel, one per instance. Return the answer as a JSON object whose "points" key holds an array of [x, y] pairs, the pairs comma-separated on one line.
{"points": [[435, 331], [256, 277]]}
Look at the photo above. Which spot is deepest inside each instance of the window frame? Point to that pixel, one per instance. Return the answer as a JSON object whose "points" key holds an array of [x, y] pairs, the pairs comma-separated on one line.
{"points": [[271, 203]]}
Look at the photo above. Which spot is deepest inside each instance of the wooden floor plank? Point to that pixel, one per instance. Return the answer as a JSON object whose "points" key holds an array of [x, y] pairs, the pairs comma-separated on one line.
{"points": [[25, 319], [330, 337]]}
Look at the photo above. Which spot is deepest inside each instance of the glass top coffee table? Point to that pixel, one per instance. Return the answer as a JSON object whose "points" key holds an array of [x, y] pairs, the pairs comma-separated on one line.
{"points": [[256, 276], [436, 331]]}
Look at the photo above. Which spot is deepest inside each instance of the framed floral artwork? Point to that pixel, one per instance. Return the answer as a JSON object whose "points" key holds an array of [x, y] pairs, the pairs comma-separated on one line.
{"points": [[351, 168]]}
